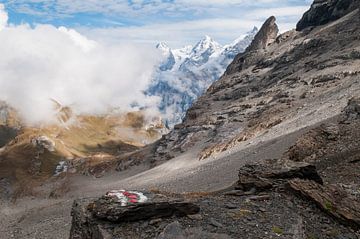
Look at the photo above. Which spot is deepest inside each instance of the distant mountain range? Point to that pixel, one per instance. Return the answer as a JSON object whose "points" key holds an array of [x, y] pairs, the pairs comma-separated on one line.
{"points": [[185, 73]]}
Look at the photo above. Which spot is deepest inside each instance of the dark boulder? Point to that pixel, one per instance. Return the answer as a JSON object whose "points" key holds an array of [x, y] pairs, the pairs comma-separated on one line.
{"points": [[94, 218], [262, 177]]}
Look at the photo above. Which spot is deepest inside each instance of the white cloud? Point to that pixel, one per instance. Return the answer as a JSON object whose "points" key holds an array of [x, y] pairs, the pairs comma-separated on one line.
{"points": [[295, 11], [43, 63], [3, 17], [78, 39], [179, 22], [175, 34], [222, 2], [143, 8]]}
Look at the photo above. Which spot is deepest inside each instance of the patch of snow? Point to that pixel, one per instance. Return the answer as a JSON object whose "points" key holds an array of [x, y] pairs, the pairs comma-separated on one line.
{"points": [[62, 167]]}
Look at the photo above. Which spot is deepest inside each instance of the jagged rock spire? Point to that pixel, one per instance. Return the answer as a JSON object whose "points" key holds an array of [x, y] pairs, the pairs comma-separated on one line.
{"points": [[266, 35]]}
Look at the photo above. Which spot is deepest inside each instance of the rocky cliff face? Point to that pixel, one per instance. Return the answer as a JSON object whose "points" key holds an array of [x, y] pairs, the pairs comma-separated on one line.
{"points": [[278, 85], [324, 11]]}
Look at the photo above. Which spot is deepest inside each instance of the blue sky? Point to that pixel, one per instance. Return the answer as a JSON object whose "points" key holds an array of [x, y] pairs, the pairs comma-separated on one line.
{"points": [[177, 22]]}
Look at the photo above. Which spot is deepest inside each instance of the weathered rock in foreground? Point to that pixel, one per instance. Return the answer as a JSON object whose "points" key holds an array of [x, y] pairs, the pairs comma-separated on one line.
{"points": [[83, 224], [158, 207], [95, 218], [331, 199]]}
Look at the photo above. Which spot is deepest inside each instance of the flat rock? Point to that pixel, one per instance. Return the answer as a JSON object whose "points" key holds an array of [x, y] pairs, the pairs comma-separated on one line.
{"points": [[106, 208]]}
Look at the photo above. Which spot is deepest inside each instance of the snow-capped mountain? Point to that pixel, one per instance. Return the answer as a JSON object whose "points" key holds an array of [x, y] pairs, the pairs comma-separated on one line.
{"points": [[185, 73]]}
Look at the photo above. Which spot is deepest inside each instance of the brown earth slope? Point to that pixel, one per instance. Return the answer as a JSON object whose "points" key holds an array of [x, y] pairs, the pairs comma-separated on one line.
{"points": [[91, 145]]}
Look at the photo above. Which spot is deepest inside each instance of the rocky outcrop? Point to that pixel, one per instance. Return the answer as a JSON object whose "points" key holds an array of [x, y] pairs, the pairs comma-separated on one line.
{"points": [[158, 207], [266, 35], [93, 217], [324, 11], [261, 177], [332, 199]]}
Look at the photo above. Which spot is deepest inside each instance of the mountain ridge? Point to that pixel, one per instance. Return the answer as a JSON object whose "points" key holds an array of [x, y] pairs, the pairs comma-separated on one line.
{"points": [[185, 73]]}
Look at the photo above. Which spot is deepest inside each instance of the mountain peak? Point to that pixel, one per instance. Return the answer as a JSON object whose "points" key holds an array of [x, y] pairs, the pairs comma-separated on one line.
{"points": [[206, 43], [162, 46], [207, 38]]}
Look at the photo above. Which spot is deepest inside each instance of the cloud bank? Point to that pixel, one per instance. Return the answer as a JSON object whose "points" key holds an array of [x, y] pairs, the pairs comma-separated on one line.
{"points": [[44, 62]]}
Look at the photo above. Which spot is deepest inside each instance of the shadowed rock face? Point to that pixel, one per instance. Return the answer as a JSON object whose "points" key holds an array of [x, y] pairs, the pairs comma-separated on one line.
{"points": [[324, 11]]}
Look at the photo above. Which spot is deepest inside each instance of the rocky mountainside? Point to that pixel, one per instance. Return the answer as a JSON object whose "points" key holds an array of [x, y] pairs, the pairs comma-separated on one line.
{"points": [[298, 196], [185, 73], [274, 85]]}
